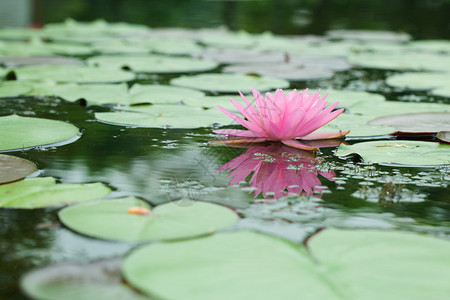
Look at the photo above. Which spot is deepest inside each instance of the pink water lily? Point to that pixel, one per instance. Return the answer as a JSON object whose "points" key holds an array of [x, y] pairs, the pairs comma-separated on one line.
{"points": [[286, 118]]}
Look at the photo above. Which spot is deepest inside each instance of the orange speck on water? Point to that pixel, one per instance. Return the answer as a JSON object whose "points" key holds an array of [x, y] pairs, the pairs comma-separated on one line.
{"points": [[138, 210]]}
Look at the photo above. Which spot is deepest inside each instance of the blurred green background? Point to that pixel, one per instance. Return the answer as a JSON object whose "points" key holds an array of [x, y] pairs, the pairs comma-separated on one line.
{"points": [[421, 18]]}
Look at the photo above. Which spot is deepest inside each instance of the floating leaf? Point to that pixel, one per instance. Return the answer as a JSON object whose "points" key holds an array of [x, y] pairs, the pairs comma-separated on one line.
{"points": [[368, 35], [69, 281], [14, 168], [226, 83], [412, 62], [153, 63], [176, 116], [357, 125], [93, 93], [24, 132], [13, 88], [419, 81], [415, 153], [442, 92], [286, 71], [444, 136], [347, 264], [162, 94], [416, 123], [110, 219], [388, 107], [15, 61], [42, 192], [369, 264], [348, 98], [80, 74], [213, 101], [237, 265], [241, 56], [431, 45]]}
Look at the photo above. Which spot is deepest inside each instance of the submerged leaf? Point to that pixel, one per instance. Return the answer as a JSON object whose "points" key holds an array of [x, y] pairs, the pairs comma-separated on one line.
{"points": [[14, 168]]}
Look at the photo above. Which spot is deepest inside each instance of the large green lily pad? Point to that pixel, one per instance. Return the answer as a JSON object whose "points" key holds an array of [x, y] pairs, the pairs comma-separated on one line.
{"points": [[343, 264], [13, 168], [229, 83], [24, 132], [416, 123], [42, 192], [15, 61], [111, 219], [153, 63], [415, 153], [175, 116], [80, 74], [370, 265], [419, 81], [238, 265], [69, 281]]}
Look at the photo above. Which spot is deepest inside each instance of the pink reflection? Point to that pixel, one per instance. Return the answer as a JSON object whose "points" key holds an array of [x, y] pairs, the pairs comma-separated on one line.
{"points": [[278, 170]]}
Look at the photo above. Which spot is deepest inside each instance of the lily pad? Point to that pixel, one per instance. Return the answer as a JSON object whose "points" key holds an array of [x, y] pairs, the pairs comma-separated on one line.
{"points": [[389, 107], [358, 126], [162, 94], [229, 83], [238, 265], [15, 61], [444, 136], [348, 98], [286, 71], [431, 45], [416, 123], [213, 101], [13, 89], [241, 56], [153, 63], [14, 168], [369, 264], [24, 132], [42, 192], [411, 62], [419, 81], [111, 219], [176, 116], [442, 92], [80, 74], [415, 153], [93, 93], [69, 281], [342, 264], [368, 35], [169, 46]]}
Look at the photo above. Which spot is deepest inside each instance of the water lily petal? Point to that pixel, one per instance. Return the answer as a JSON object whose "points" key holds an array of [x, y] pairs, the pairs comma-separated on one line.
{"points": [[298, 145], [325, 135]]}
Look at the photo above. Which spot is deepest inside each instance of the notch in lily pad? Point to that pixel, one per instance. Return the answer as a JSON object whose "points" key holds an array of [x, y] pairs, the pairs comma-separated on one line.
{"points": [[133, 220]]}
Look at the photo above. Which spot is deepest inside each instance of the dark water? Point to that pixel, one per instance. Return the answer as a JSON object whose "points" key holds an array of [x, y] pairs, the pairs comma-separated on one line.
{"points": [[163, 165]]}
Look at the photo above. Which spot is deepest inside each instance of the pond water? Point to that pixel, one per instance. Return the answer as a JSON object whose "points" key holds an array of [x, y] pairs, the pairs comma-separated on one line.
{"points": [[180, 166]]}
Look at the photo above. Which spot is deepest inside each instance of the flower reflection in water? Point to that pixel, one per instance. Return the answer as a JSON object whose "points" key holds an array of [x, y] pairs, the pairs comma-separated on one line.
{"points": [[278, 170]]}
